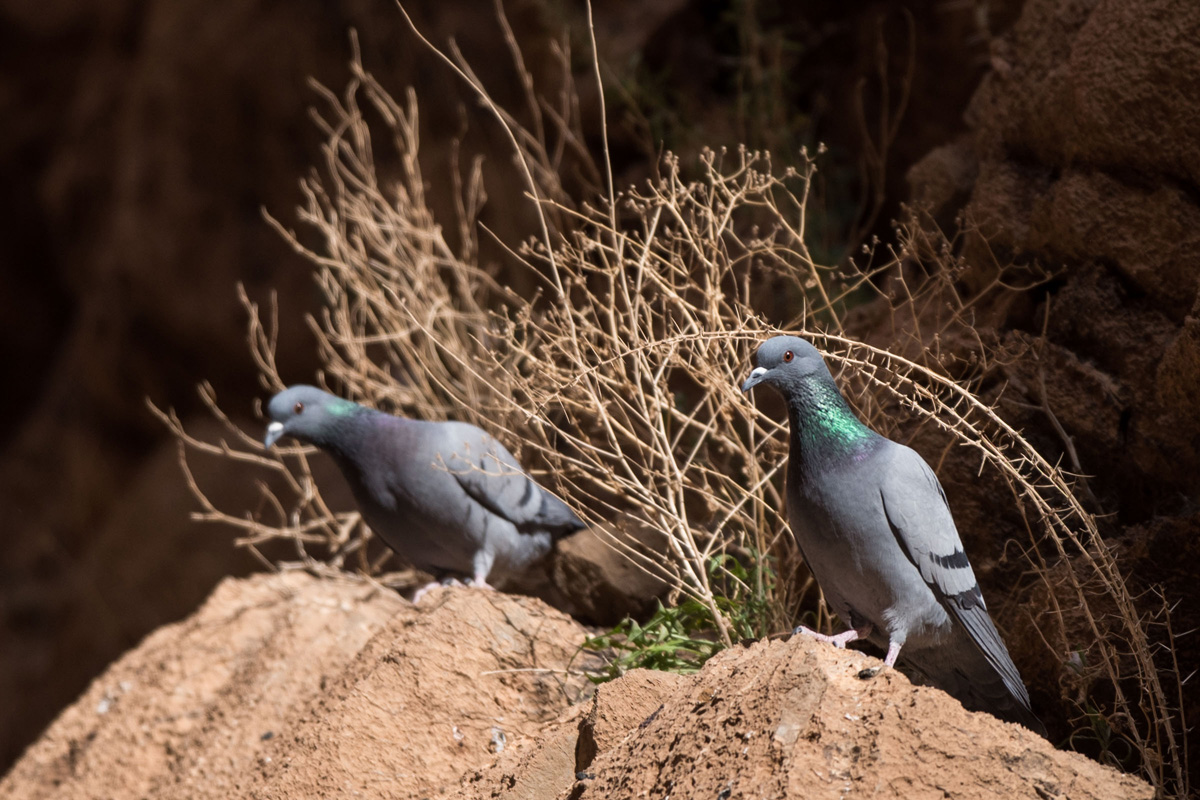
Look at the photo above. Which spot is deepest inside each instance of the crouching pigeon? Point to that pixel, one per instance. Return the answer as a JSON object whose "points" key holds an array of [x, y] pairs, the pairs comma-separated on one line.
{"points": [[872, 523], [446, 496]]}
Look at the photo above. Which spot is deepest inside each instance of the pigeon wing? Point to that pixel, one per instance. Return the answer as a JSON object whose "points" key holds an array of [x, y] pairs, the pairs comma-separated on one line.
{"points": [[491, 476], [920, 517]]}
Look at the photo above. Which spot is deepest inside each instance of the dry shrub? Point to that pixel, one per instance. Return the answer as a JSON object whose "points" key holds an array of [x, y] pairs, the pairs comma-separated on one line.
{"points": [[617, 380]]}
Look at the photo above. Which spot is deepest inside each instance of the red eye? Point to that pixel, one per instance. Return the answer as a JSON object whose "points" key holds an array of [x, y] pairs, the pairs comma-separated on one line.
{"points": [[299, 407], [786, 358]]}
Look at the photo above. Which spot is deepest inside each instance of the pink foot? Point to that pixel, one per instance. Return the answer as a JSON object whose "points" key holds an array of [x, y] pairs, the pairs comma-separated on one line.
{"points": [[840, 640]]}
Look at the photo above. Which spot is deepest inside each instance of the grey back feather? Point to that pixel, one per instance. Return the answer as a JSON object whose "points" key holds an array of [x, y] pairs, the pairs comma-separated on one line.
{"points": [[490, 474]]}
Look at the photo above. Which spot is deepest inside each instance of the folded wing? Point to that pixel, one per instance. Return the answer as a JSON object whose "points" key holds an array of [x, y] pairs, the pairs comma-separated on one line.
{"points": [[920, 518], [491, 476]]}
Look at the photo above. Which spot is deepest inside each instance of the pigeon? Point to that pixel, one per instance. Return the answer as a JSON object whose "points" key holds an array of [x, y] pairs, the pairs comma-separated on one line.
{"points": [[872, 523], [446, 496]]}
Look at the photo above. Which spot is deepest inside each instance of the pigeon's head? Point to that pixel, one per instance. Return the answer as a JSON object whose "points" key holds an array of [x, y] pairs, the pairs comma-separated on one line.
{"points": [[306, 413], [784, 362]]}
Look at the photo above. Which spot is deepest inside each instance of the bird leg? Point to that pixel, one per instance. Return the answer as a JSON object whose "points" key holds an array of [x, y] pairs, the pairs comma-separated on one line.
{"points": [[892, 653], [483, 561], [840, 640], [480, 582]]}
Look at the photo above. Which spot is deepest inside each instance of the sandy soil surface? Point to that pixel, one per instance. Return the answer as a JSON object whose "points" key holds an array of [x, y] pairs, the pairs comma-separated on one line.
{"points": [[289, 686]]}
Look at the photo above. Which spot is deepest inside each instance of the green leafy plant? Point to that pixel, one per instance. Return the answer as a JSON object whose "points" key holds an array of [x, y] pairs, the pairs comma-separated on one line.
{"points": [[673, 640], [680, 638]]}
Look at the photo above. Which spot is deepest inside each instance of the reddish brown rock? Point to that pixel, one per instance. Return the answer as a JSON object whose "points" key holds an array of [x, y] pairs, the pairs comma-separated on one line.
{"points": [[793, 719], [286, 686], [289, 686]]}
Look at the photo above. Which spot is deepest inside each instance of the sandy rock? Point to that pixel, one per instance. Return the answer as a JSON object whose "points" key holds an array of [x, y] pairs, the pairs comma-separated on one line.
{"points": [[793, 719], [1177, 380], [1101, 82], [788, 719], [193, 709], [1096, 99], [532, 769], [944, 177], [435, 693], [289, 686], [542, 767], [620, 707]]}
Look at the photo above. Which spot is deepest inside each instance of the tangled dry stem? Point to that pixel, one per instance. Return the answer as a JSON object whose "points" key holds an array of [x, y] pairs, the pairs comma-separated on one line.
{"points": [[616, 380]]}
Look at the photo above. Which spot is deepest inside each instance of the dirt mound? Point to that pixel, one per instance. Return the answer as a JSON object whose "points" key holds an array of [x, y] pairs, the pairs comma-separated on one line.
{"points": [[288, 686], [790, 719], [794, 719]]}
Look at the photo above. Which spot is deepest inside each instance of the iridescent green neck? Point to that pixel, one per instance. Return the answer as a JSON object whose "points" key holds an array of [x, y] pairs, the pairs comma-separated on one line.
{"points": [[822, 421], [341, 408]]}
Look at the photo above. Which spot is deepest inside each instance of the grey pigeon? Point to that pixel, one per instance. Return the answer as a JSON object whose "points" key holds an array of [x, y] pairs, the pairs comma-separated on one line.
{"points": [[446, 496], [873, 526]]}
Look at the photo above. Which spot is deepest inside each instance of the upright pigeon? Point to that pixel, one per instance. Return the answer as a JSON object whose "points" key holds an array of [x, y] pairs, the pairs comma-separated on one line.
{"points": [[446, 496], [872, 523]]}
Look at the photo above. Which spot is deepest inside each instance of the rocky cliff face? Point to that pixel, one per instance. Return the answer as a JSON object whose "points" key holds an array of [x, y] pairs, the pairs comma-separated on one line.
{"points": [[1082, 159], [290, 686], [1084, 156]]}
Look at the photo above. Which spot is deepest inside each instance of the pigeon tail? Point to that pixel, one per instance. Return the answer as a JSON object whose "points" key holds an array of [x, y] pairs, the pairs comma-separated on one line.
{"points": [[963, 672]]}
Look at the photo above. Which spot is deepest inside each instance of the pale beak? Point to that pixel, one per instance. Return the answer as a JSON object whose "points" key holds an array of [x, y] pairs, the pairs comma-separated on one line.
{"points": [[274, 431], [756, 377]]}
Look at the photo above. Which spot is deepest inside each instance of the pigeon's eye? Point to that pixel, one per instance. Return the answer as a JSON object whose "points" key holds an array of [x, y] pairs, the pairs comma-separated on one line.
{"points": [[298, 408], [786, 357]]}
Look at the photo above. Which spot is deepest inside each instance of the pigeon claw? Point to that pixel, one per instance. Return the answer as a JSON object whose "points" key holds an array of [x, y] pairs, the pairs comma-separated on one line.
{"points": [[840, 640], [890, 661]]}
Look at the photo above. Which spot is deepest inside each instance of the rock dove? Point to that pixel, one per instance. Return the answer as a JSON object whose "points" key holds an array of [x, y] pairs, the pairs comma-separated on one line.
{"points": [[873, 526], [446, 496]]}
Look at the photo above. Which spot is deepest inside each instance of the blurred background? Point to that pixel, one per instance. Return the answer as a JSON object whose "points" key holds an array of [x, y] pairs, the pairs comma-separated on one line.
{"points": [[142, 142]]}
